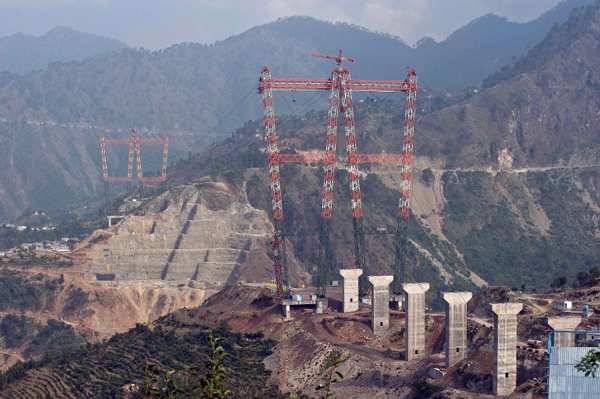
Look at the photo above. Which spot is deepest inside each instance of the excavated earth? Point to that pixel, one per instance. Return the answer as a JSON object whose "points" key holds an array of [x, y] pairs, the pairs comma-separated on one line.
{"points": [[374, 367], [191, 242], [203, 237]]}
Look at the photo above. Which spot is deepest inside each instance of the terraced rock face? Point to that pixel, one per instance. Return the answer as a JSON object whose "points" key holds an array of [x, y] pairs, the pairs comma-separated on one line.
{"points": [[203, 237]]}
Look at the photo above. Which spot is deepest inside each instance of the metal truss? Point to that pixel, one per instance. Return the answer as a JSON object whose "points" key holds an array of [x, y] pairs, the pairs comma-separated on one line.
{"points": [[340, 85]]}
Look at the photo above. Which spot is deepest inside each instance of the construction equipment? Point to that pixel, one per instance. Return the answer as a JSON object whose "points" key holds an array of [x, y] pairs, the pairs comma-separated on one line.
{"points": [[340, 86]]}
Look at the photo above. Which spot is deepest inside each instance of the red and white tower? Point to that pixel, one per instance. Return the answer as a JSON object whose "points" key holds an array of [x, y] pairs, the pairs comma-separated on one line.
{"points": [[340, 85]]}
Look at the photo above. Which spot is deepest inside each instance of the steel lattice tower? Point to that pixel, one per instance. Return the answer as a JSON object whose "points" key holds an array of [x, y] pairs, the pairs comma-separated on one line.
{"points": [[340, 85], [133, 142]]}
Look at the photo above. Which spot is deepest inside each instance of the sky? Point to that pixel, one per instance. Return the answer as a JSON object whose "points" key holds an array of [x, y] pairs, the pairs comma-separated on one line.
{"points": [[156, 24]]}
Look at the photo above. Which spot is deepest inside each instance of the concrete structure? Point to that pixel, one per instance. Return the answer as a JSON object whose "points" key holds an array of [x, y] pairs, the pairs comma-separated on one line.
{"points": [[456, 325], [287, 310], [350, 289], [562, 305], [286, 304], [414, 303], [505, 347], [380, 303], [111, 218], [397, 302], [563, 323], [192, 240]]}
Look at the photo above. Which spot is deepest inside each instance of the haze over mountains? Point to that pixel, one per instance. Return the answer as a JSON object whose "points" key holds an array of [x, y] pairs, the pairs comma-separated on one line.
{"points": [[53, 117], [21, 53], [193, 85]]}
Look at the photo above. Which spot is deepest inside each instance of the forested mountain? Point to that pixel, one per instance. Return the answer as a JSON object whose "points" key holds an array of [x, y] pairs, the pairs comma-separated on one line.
{"points": [[21, 53], [507, 188], [50, 119], [194, 85]]}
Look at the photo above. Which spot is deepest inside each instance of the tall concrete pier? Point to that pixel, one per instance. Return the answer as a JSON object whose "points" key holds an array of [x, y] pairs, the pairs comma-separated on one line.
{"points": [[380, 303], [505, 347], [414, 302], [563, 323], [350, 289], [456, 325]]}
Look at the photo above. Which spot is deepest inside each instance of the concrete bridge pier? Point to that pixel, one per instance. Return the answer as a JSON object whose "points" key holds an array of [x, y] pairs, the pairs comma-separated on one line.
{"points": [[456, 326], [563, 323], [350, 289], [505, 347], [414, 302], [380, 303]]}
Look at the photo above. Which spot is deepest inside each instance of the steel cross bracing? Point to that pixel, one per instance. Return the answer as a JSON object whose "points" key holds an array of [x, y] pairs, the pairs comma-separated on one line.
{"points": [[133, 142], [340, 86]]}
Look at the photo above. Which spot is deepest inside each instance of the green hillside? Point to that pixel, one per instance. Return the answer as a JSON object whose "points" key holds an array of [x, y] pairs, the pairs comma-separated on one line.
{"points": [[107, 369]]}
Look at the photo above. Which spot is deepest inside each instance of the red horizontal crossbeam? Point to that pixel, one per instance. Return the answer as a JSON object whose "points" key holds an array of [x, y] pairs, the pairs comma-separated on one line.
{"points": [[152, 178], [322, 157], [151, 141], [295, 84], [117, 141], [117, 179], [326, 84], [379, 85]]}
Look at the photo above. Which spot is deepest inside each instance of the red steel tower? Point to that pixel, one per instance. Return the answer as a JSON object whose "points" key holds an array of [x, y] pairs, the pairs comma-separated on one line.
{"points": [[134, 142], [340, 86]]}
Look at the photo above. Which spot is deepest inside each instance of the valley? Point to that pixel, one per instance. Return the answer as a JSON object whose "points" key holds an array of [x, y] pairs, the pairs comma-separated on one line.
{"points": [[502, 244]]}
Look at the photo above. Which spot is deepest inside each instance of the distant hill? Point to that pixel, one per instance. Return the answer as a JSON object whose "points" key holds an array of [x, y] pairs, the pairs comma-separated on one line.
{"points": [[21, 53], [542, 110], [485, 44], [192, 86], [204, 92]]}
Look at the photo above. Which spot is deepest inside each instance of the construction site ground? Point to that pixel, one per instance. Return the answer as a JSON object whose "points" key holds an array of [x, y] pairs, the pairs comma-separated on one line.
{"points": [[374, 365]]}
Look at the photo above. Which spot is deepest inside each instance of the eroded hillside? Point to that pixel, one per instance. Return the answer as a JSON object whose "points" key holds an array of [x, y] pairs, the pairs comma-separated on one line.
{"points": [[203, 237], [293, 362]]}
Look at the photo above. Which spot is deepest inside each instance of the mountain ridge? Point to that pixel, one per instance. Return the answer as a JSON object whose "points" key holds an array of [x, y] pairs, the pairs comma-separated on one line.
{"points": [[187, 88], [21, 53]]}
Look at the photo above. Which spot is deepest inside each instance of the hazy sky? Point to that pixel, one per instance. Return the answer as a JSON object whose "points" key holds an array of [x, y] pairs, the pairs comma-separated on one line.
{"points": [[156, 24]]}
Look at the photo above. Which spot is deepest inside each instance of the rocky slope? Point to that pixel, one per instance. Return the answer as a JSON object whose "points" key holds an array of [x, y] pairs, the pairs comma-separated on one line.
{"points": [[539, 118], [295, 361], [204, 237]]}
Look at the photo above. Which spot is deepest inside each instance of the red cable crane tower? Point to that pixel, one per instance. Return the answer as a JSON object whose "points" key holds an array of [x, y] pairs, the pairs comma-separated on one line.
{"points": [[340, 86], [134, 142]]}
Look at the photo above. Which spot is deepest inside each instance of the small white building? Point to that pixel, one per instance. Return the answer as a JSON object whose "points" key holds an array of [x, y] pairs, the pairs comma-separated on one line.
{"points": [[562, 305]]}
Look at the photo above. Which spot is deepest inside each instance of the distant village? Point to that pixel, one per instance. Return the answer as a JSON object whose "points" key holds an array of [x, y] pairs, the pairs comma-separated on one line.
{"points": [[39, 248], [65, 244]]}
